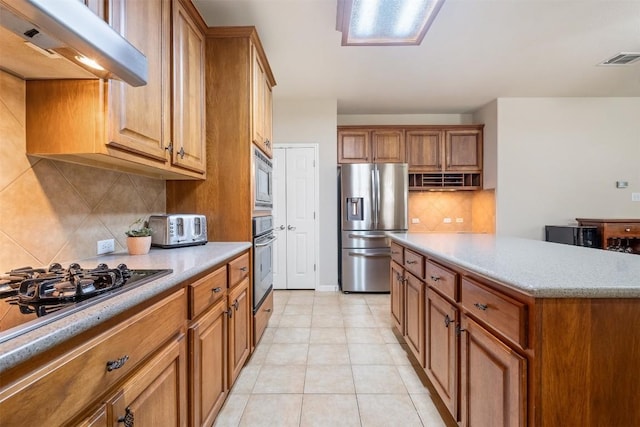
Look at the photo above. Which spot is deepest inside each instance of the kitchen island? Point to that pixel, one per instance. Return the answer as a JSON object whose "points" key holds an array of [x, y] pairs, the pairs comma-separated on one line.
{"points": [[513, 331], [132, 349]]}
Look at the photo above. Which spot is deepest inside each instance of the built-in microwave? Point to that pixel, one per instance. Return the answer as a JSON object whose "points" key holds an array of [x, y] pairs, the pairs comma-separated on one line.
{"points": [[263, 181]]}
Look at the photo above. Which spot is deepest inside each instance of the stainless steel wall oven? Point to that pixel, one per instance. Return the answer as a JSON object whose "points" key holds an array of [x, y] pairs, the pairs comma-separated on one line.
{"points": [[263, 251], [263, 182]]}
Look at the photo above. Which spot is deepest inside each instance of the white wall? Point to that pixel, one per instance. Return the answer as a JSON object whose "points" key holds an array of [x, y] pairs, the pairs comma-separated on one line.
{"points": [[488, 115], [559, 158], [314, 121], [404, 119]]}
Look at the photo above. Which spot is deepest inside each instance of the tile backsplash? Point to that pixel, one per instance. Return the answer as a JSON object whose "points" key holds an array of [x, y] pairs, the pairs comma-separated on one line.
{"points": [[469, 211], [56, 211]]}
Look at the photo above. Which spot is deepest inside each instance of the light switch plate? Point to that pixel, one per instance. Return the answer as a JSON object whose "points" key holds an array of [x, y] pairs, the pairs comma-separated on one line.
{"points": [[415, 220], [635, 197], [447, 220]]}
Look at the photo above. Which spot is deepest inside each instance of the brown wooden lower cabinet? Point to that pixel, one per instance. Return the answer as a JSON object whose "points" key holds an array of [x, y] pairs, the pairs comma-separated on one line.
{"points": [[441, 349], [493, 380], [155, 395], [208, 362], [414, 305], [239, 328], [175, 359], [500, 357], [397, 297]]}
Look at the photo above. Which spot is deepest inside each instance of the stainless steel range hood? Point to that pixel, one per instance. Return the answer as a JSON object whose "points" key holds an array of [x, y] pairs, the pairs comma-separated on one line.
{"points": [[70, 29]]}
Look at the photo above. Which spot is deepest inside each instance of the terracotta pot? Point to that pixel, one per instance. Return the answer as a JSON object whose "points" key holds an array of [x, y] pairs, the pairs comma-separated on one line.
{"points": [[138, 245]]}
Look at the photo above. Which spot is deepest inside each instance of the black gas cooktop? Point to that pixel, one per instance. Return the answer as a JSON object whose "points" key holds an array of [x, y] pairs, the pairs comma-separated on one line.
{"points": [[31, 297]]}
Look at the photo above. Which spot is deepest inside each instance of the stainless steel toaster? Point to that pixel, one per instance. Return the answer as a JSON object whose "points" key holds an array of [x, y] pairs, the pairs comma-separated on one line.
{"points": [[176, 230]]}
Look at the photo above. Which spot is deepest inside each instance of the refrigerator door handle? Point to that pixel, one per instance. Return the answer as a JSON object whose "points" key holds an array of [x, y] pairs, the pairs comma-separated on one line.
{"points": [[367, 236], [374, 199], [370, 255]]}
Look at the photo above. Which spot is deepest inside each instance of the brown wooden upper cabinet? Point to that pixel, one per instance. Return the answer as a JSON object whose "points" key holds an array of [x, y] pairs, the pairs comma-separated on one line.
{"points": [[155, 130], [262, 106], [441, 149], [370, 145]]}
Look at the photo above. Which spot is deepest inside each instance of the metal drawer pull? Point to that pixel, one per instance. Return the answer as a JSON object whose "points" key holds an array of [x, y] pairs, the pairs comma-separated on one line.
{"points": [[243, 269], [268, 310], [627, 229], [435, 278], [412, 262], [117, 364], [128, 418], [216, 290], [482, 307], [447, 321]]}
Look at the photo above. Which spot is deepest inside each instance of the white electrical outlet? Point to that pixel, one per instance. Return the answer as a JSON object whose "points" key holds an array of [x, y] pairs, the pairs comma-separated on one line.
{"points": [[459, 220], [635, 197], [106, 246], [447, 220], [415, 220]]}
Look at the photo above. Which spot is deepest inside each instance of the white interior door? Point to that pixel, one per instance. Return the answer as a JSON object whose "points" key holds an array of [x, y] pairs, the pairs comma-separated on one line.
{"points": [[295, 218]]}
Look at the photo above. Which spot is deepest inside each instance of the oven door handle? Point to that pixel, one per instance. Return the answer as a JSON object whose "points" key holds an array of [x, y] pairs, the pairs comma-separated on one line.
{"points": [[267, 243], [367, 236], [369, 255]]}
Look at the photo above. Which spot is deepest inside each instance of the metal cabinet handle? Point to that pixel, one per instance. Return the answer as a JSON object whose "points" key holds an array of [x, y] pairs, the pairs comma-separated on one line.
{"points": [[627, 229], [412, 262], [127, 419], [459, 330], [268, 310], [216, 290], [482, 307], [229, 313], [169, 147], [291, 227], [117, 364], [435, 278], [243, 269], [236, 304], [181, 152], [447, 321]]}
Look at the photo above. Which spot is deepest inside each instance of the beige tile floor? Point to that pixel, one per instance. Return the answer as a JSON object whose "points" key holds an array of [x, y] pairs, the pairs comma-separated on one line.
{"points": [[329, 359]]}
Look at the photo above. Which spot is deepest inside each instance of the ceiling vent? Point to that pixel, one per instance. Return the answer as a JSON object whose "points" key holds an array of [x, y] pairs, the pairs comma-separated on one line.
{"points": [[623, 58]]}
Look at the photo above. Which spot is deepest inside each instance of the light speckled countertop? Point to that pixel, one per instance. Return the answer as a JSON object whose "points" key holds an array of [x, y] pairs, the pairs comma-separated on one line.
{"points": [[185, 262], [538, 268]]}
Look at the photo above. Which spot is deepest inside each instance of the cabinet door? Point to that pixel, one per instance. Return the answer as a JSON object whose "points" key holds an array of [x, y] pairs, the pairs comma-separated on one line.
{"points": [[156, 394], [493, 380], [268, 117], [414, 306], [388, 146], [397, 297], [424, 150], [239, 328], [463, 150], [139, 116], [257, 101], [353, 146], [441, 349], [188, 92], [208, 372]]}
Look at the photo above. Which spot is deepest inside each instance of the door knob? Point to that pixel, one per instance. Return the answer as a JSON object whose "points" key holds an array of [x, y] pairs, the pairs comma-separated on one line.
{"points": [[282, 227], [291, 227]]}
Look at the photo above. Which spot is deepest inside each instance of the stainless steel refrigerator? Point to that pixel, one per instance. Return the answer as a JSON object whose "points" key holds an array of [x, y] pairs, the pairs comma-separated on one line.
{"points": [[373, 200]]}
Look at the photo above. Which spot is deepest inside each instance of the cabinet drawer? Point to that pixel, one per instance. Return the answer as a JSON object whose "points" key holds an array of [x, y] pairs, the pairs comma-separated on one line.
{"points": [[414, 263], [261, 318], [205, 292], [59, 389], [442, 279], [500, 312], [622, 230], [238, 269], [397, 253]]}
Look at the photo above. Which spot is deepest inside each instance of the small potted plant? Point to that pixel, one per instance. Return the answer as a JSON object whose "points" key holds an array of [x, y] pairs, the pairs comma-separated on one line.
{"points": [[139, 237]]}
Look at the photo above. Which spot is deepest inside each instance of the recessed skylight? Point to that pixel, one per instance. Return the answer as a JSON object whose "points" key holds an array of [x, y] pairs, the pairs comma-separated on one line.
{"points": [[385, 22]]}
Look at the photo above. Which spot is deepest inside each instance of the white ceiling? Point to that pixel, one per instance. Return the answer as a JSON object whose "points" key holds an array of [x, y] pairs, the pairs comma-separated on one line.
{"points": [[475, 51]]}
